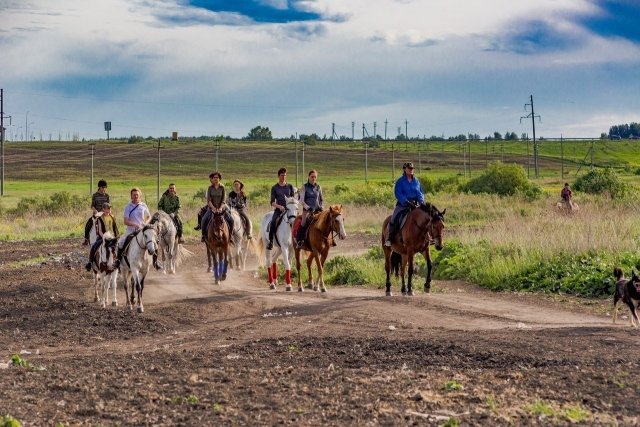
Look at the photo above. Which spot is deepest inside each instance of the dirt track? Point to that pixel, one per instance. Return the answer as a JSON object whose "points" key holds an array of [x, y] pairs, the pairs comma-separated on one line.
{"points": [[241, 354]]}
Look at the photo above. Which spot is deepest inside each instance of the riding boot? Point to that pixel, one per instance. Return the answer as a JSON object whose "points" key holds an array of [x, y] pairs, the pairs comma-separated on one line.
{"points": [[118, 258], [300, 237], [179, 233]]}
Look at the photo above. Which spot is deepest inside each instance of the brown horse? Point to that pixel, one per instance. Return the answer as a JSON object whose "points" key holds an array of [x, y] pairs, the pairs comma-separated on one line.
{"points": [[423, 227], [218, 245], [320, 240]]}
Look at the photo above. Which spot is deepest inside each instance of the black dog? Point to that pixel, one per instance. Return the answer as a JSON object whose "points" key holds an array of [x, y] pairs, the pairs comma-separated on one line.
{"points": [[627, 291]]}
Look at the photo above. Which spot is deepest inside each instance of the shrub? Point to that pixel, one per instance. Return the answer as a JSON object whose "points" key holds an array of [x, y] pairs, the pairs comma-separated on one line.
{"points": [[602, 181], [134, 139], [504, 180], [341, 188], [58, 203], [200, 195]]}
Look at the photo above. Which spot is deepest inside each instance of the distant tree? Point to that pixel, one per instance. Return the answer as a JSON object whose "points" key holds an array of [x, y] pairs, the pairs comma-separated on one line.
{"points": [[260, 133], [511, 136], [497, 135], [524, 137]]}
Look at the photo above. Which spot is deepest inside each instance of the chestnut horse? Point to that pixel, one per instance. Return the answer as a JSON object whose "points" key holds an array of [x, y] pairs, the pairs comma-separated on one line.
{"points": [[424, 226], [218, 245], [320, 239]]}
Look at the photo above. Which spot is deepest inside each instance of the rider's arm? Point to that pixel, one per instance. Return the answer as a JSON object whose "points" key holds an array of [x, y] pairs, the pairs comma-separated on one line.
{"points": [[302, 197], [399, 192], [274, 203], [420, 193], [320, 197]]}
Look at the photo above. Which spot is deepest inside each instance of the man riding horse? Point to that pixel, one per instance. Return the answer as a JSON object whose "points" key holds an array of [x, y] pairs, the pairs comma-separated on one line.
{"points": [[170, 203], [215, 203], [408, 194], [279, 192]]}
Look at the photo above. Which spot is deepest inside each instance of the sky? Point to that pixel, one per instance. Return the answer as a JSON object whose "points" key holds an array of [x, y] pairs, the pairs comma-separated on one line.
{"points": [[222, 67]]}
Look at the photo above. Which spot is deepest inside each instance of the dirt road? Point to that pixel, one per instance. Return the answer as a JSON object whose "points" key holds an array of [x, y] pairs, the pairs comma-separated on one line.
{"points": [[239, 354]]}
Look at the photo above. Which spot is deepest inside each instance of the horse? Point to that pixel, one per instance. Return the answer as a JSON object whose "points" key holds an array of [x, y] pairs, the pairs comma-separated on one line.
{"points": [[218, 245], [239, 245], [320, 239], [424, 226], [168, 240], [93, 236], [568, 206], [103, 267], [136, 257], [282, 243]]}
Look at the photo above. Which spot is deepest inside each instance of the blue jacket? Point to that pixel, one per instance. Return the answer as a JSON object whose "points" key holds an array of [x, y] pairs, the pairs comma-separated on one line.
{"points": [[405, 191]]}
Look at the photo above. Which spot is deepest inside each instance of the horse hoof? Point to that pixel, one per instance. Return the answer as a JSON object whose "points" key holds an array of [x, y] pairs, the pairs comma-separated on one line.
{"points": [[310, 286], [114, 304], [323, 290], [389, 293], [300, 289], [96, 299], [404, 294], [410, 293], [224, 277], [315, 288], [272, 286], [427, 289], [288, 288], [210, 270], [140, 310]]}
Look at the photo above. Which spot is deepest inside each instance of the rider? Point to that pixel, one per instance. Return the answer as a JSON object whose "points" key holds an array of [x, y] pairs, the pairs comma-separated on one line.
{"points": [[105, 222], [311, 200], [215, 203], [408, 194], [98, 198], [170, 203], [136, 215], [566, 195], [278, 193], [238, 200]]}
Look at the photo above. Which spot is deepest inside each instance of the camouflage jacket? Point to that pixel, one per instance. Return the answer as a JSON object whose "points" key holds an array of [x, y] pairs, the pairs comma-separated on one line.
{"points": [[169, 204]]}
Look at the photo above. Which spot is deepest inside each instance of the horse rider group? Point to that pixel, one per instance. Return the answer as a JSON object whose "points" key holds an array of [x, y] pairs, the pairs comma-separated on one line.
{"points": [[407, 191]]}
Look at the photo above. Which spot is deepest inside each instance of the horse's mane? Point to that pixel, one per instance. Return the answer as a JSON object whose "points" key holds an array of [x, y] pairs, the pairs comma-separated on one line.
{"points": [[430, 209], [108, 236], [325, 215]]}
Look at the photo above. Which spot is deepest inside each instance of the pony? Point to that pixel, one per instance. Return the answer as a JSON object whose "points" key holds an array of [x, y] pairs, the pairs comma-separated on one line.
{"points": [[136, 257], [103, 267], [167, 240], [322, 228], [218, 245], [282, 243], [424, 226]]}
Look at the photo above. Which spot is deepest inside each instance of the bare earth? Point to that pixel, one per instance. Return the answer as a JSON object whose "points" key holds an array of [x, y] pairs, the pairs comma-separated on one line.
{"points": [[239, 354]]}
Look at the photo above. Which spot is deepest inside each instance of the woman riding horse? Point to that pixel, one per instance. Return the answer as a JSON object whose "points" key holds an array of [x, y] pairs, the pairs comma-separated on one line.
{"points": [[311, 200], [408, 194], [216, 203], [238, 201]]}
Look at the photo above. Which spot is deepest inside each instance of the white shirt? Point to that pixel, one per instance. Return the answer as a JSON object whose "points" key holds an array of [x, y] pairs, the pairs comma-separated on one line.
{"points": [[137, 214]]}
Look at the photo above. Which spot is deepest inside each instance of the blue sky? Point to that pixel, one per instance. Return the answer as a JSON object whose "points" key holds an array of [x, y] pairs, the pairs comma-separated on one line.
{"points": [[297, 66]]}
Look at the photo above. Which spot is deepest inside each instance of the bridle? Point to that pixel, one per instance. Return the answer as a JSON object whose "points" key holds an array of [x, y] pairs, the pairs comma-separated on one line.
{"points": [[289, 215], [145, 240]]}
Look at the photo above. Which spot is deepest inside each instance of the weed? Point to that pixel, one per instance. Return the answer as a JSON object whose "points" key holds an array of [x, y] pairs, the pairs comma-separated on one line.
{"points": [[9, 421], [452, 385], [292, 348], [451, 422], [540, 408], [492, 403], [16, 360], [217, 407], [192, 399], [576, 413]]}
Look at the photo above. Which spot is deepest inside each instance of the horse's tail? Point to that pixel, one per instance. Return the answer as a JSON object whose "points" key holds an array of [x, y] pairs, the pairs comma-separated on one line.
{"points": [[396, 262], [183, 254], [258, 247]]}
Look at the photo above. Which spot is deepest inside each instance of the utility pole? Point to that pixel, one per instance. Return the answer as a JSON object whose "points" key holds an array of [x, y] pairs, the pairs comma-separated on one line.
{"points": [[302, 178], [295, 148], [353, 128], [158, 177], [533, 116], [375, 132], [366, 161], [2, 132], [26, 126], [92, 147], [385, 129], [333, 132], [406, 135], [561, 158]]}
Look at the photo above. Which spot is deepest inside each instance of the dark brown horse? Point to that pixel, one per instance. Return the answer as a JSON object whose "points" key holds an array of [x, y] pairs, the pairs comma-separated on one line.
{"points": [[318, 243], [423, 227], [218, 245]]}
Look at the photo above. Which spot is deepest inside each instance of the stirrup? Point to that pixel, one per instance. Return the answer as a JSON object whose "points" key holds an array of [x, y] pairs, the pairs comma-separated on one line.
{"points": [[300, 244], [388, 243], [269, 246], [203, 239]]}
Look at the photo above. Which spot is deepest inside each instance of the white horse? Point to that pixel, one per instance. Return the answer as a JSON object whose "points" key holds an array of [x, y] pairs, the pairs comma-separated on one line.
{"points": [[239, 246], [282, 243], [103, 267], [136, 258], [167, 240]]}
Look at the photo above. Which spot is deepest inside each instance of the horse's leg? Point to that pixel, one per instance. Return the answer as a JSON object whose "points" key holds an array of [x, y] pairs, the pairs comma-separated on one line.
{"points": [[215, 268], [287, 268], [104, 287], [427, 280], [274, 274], [387, 269], [209, 260], [309, 272], [114, 285], [96, 284], [403, 265], [410, 256], [297, 254], [140, 288], [225, 263], [321, 261]]}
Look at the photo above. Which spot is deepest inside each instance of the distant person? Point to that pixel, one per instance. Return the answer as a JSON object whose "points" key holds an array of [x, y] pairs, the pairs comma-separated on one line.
{"points": [[170, 203], [238, 200], [98, 199], [311, 200], [104, 223], [278, 193], [567, 195], [136, 215], [408, 194], [216, 203]]}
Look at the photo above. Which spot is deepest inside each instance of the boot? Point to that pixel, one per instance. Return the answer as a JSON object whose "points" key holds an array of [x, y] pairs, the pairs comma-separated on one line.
{"points": [[300, 244], [269, 245], [197, 227], [392, 235], [88, 266], [118, 258]]}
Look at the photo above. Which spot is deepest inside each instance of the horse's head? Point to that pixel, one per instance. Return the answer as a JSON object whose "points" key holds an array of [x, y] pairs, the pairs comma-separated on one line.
{"points": [[291, 209], [150, 238], [337, 221], [218, 225], [108, 252], [435, 226]]}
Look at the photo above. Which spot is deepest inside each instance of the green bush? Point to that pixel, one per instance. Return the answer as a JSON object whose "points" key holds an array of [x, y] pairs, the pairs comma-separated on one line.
{"points": [[504, 180], [341, 188], [200, 195], [57, 204], [602, 181]]}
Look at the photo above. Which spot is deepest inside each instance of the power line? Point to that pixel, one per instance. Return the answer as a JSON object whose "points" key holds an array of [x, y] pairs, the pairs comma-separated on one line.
{"points": [[533, 116]]}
